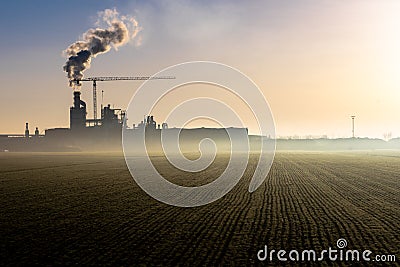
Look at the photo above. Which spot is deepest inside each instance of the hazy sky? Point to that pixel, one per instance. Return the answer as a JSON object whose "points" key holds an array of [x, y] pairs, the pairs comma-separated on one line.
{"points": [[317, 62]]}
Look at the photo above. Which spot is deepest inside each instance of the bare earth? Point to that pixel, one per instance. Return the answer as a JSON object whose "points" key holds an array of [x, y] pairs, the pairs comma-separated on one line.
{"points": [[85, 209]]}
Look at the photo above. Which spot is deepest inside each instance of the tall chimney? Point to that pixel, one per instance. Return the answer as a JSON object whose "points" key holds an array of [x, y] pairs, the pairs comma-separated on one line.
{"points": [[26, 130], [77, 99], [78, 112]]}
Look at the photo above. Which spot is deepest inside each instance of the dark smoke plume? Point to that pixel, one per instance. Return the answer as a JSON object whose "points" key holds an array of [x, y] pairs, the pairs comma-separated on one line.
{"points": [[118, 31]]}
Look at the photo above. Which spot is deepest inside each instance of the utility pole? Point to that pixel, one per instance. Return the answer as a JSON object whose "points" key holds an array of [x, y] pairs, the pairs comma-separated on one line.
{"points": [[352, 121]]}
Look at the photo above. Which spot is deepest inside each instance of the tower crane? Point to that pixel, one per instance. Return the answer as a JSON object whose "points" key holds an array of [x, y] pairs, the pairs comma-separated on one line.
{"points": [[94, 81]]}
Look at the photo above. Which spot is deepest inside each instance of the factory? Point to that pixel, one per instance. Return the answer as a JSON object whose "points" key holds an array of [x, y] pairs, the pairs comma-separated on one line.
{"points": [[96, 134], [88, 134], [82, 134]]}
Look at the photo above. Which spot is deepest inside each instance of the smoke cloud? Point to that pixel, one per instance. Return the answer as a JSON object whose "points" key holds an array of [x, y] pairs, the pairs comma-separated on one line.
{"points": [[113, 30]]}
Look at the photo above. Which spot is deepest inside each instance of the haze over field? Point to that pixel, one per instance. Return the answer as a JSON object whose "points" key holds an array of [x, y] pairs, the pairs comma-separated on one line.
{"points": [[317, 62], [85, 209]]}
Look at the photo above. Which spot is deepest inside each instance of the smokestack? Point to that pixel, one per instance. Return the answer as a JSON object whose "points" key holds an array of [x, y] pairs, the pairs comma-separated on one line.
{"points": [[27, 130], [77, 100], [118, 31]]}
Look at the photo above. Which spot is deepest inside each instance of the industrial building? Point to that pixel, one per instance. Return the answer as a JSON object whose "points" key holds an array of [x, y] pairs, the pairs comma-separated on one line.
{"points": [[101, 134], [83, 133]]}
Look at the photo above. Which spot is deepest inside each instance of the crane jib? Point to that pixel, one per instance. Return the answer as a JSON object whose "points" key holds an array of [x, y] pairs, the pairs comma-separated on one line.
{"points": [[105, 79]]}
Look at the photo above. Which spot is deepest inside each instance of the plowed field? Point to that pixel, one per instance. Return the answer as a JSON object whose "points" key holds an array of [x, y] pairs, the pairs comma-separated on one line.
{"points": [[85, 209]]}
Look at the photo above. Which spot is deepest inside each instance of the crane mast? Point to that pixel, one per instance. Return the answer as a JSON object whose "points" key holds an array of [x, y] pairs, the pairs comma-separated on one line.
{"points": [[110, 78], [95, 101]]}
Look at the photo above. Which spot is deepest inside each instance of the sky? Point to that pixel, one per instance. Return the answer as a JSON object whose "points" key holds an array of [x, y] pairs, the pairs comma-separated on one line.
{"points": [[316, 62]]}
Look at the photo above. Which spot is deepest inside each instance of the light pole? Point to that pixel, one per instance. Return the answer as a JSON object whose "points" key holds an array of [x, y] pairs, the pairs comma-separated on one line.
{"points": [[352, 120]]}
